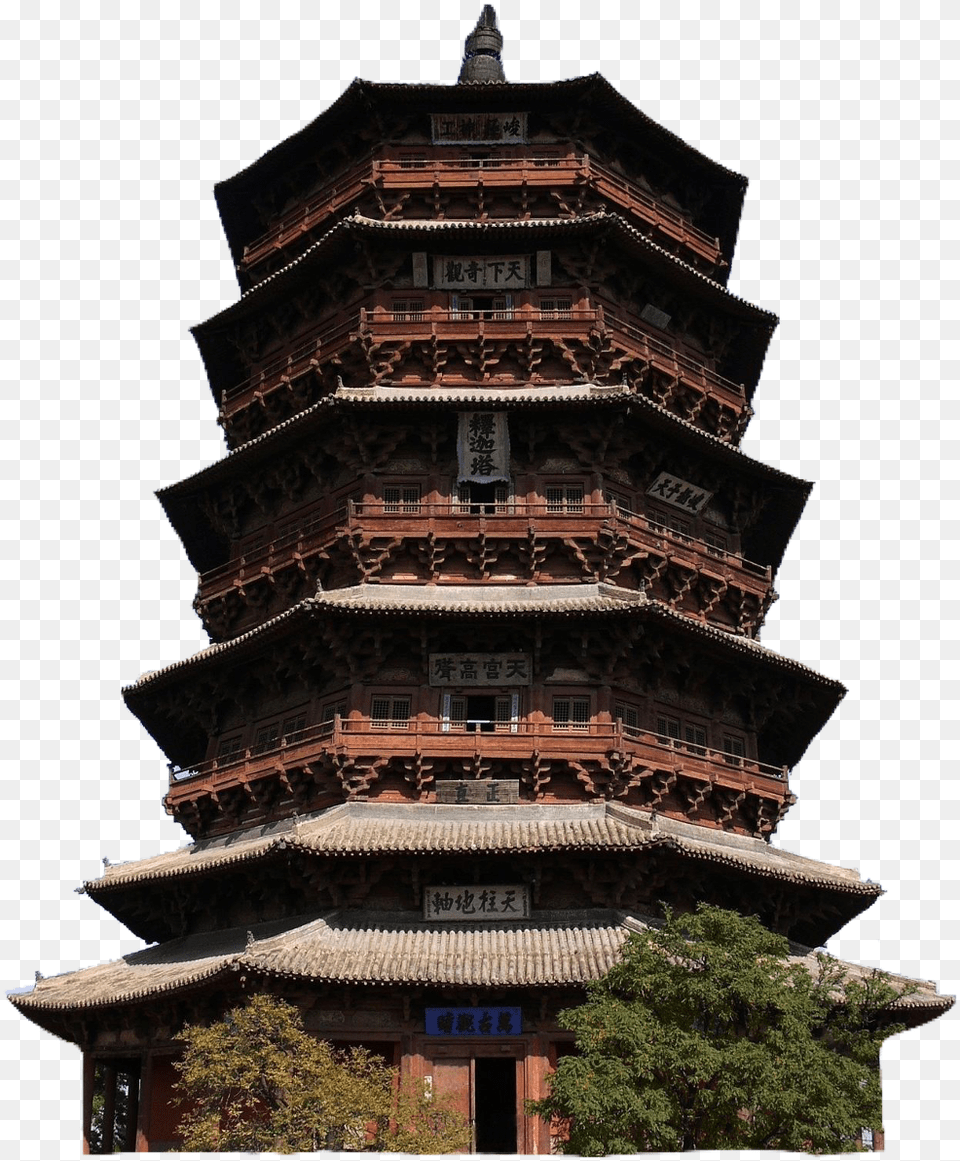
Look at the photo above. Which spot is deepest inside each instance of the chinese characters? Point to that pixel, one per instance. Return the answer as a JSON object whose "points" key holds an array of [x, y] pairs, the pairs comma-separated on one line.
{"points": [[502, 273], [483, 447], [466, 128], [473, 1022], [678, 493], [480, 668], [453, 904]]}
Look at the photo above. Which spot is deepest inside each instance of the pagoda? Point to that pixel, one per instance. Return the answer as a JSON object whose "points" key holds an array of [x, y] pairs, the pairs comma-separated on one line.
{"points": [[483, 573]]}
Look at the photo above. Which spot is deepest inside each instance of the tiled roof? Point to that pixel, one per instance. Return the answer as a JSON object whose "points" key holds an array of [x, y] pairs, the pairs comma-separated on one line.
{"points": [[489, 600], [553, 949], [553, 227], [509, 398], [371, 829]]}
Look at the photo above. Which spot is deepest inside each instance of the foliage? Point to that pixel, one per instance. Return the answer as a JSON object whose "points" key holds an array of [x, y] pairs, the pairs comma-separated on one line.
{"points": [[258, 1082], [705, 1036], [99, 1106]]}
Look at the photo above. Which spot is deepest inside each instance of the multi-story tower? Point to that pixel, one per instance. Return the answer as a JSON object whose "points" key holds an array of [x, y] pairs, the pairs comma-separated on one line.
{"points": [[483, 575]]}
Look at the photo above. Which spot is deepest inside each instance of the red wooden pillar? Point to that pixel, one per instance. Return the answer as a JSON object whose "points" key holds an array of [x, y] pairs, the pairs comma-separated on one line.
{"points": [[142, 1144]]}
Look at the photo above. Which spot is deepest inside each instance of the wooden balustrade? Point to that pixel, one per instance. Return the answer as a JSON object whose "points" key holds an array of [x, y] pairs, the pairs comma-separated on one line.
{"points": [[389, 174], [451, 520], [360, 738]]}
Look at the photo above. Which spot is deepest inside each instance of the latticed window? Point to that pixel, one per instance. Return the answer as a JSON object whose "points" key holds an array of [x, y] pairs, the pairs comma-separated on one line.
{"points": [[668, 728], [619, 502], [268, 738], [716, 542], [695, 738], [564, 497], [293, 728], [390, 713], [413, 160], [628, 715], [734, 749], [401, 498], [230, 749], [571, 713], [556, 308], [671, 522], [333, 709], [408, 310]]}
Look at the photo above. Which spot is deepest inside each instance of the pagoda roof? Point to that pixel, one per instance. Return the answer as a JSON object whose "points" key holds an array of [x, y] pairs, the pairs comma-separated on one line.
{"points": [[481, 601], [215, 348], [370, 829], [378, 949], [768, 541], [363, 99]]}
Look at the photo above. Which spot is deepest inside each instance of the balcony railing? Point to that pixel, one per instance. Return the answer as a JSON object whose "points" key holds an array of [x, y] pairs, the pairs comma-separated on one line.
{"points": [[511, 741], [506, 520], [322, 342], [470, 173]]}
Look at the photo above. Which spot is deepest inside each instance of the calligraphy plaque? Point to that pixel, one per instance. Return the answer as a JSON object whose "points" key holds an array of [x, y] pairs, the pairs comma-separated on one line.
{"points": [[478, 791], [466, 669], [473, 1021], [476, 903], [474, 128], [678, 493], [467, 273], [483, 447]]}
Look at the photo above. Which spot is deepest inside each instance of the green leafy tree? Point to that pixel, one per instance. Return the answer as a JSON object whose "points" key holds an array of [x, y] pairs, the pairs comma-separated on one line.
{"points": [[705, 1036], [258, 1082]]}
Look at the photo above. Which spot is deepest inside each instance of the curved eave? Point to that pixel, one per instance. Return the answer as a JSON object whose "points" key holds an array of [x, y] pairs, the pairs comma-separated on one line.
{"points": [[364, 831], [786, 735], [216, 351], [367, 98], [374, 950], [490, 602], [767, 542]]}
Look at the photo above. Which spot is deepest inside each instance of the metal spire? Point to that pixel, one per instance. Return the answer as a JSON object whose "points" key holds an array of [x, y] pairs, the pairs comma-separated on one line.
{"points": [[481, 57]]}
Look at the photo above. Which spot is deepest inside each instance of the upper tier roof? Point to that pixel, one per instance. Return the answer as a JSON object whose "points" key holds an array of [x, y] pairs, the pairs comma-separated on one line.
{"points": [[767, 542], [364, 102], [608, 229]]}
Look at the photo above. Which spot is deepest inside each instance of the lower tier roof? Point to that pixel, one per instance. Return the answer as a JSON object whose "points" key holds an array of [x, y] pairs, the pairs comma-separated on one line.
{"points": [[550, 950]]}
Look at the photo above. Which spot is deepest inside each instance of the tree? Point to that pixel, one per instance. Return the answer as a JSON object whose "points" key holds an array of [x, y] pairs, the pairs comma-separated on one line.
{"points": [[258, 1082], [705, 1036]]}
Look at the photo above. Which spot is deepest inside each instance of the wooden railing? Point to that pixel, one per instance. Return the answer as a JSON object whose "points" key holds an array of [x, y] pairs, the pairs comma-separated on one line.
{"points": [[360, 737], [504, 520], [322, 342], [452, 173]]}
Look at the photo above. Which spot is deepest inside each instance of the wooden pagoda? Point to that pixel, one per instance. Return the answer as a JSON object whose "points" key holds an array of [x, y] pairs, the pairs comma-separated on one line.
{"points": [[483, 574]]}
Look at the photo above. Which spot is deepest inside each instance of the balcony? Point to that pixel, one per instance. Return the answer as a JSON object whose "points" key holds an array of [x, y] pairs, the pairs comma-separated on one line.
{"points": [[504, 521], [522, 741], [385, 176], [440, 324]]}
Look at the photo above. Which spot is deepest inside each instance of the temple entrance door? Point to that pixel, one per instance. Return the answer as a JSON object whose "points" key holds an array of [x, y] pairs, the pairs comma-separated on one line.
{"points": [[495, 1100], [483, 1088]]}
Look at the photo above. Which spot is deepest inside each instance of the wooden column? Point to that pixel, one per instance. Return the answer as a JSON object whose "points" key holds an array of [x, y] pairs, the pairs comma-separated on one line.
{"points": [[145, 1105], [89, 1068]]}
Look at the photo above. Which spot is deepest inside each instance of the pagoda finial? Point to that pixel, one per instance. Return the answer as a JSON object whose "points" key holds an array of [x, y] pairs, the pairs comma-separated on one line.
{"points": [[481, 57]]}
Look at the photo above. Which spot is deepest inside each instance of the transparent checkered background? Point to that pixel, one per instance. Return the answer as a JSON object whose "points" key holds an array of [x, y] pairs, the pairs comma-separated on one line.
{"points": [[116, 126]]}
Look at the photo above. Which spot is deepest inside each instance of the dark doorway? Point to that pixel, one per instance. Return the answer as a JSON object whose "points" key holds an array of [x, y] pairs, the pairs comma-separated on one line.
{"points": [[495, 1104], [480, 714]]}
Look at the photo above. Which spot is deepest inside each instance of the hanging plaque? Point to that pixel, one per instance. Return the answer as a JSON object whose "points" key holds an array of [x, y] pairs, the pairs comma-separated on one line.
{"points": [[465, 272], [476, 128], [473, 1022], [460, 669], [678, 493], [491, 904], [483, 447]]}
